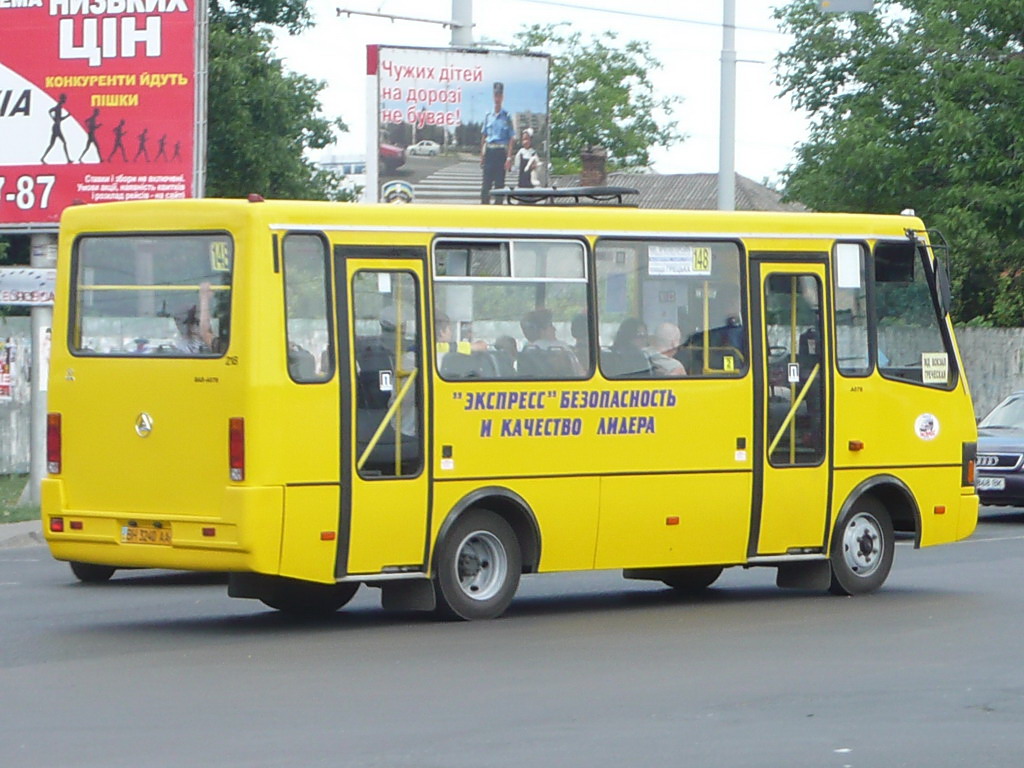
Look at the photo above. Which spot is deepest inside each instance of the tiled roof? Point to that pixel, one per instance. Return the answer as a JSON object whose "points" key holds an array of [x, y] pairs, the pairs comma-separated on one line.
{"points": [[694, 191]]}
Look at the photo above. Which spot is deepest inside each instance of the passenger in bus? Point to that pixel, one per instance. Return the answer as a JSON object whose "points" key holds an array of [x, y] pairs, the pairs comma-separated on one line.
{"points": [[506, 350], [661, 352], [194, 329], [456, 359], [301, 363], [545, 355], [627, 358], [581, 335]]}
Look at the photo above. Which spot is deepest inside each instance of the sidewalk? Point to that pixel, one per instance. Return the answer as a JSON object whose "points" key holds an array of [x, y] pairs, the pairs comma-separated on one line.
{"points": [[27, 534]]}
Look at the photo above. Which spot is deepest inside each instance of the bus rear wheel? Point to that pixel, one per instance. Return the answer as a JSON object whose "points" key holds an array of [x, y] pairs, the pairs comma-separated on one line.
{"points": [[693, 579], [300, 598], [477, 567], [90, 573], [863, 545]]}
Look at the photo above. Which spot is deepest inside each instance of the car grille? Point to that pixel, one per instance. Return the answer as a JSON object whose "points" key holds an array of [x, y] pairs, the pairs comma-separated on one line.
{"points": [[999, 462]]}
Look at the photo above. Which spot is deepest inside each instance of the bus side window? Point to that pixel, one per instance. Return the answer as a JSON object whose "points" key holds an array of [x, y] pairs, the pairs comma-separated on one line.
{"points": [[670, 309], [310, 353]]}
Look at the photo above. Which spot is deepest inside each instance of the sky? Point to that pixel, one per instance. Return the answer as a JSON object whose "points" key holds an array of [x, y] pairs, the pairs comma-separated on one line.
{"points": [[684, 35]]}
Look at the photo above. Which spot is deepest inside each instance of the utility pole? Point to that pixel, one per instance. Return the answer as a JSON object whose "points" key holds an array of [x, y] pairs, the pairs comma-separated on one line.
{"points": [[727, 120], [44, 255], [462, 23]]}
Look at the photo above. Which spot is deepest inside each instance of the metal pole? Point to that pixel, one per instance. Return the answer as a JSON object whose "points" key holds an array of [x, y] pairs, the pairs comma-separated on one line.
{"points": [[44, 254], [462, 23], [727, 122]]}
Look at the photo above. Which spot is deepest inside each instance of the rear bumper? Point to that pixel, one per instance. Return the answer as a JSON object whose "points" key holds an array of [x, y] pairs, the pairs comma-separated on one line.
{"points": [[244, 536]]}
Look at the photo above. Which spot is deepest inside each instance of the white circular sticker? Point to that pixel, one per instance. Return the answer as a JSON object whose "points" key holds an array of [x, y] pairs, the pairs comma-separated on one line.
{"points": [[927, 426]]}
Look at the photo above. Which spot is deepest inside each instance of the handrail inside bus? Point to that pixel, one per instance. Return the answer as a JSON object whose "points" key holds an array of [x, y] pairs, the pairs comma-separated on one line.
{"points": [[387, 417], [792, 409]]}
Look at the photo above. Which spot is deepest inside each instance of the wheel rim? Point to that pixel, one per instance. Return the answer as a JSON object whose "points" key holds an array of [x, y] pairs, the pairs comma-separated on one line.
{"points": [[862, 545], [481, 565]]}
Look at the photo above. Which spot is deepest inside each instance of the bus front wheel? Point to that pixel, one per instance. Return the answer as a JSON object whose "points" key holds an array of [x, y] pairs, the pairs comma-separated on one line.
{"points": [[862, 548], [91, 573], [477, 567]]}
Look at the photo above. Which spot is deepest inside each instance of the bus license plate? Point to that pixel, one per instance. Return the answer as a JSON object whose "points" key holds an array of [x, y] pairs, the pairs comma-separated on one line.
{"points": [[144, 534], [991, 484]]}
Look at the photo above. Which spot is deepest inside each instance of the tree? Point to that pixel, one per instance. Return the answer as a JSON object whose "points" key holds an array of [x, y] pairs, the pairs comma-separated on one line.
{"points": [[917, 105], [262, 118], [601, 96]]}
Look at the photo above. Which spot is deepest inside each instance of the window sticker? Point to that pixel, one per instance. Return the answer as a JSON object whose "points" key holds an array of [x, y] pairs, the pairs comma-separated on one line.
{"points": [[678, 260], [219, 259], [935, 367], [848, 265], [927, 426]]}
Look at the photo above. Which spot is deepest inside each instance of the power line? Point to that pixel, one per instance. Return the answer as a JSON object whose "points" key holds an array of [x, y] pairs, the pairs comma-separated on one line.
{"points": [[652, 16]]}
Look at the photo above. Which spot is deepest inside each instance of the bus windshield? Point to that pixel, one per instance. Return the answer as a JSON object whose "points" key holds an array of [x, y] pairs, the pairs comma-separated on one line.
{"points": [[151, 295]]}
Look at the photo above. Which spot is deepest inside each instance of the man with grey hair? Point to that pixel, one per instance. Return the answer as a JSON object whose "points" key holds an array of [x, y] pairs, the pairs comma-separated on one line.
{"points": [[664, 343]]}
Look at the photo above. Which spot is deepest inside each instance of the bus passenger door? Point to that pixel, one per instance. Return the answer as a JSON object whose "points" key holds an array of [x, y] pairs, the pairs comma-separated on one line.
{"points": [[384, 476], [791, 358]]}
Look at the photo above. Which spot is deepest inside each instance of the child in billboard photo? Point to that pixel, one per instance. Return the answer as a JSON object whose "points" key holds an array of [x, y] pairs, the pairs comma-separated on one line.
{"points": [[496, 145], [527, 161]]}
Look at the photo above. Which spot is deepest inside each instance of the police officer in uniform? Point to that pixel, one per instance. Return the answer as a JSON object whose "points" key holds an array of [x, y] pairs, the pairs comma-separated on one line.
{"points": [[497, 140]]}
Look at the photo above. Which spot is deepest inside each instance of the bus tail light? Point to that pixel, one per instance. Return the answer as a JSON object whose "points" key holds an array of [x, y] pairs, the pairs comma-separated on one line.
{"points": [[236, 447], [53, 443]]}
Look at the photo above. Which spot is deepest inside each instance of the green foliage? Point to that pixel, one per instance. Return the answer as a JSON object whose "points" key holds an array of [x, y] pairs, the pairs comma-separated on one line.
{"points": [[236, 15], [917, 105], [601, 96], [262, 119]]}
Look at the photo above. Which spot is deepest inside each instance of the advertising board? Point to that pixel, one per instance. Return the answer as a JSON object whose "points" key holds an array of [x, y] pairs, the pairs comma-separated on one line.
{"points": [[98, 102], [450, 123]]}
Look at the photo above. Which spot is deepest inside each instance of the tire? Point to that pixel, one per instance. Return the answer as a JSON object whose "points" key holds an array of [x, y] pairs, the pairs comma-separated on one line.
{"points": [[302, 598], [863, 545], [693, 579], [477, 567], [90, 573]]}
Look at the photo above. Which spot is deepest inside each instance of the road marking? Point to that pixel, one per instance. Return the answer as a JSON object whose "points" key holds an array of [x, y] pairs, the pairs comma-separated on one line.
{"points": [[994, 538], [10, 583]]}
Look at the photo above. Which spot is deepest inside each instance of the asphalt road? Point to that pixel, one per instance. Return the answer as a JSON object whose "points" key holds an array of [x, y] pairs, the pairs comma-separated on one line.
{"points": [[163, 669]]}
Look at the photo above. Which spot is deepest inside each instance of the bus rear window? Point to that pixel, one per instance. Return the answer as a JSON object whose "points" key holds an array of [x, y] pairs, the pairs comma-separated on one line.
{"points": [[151, 295]]}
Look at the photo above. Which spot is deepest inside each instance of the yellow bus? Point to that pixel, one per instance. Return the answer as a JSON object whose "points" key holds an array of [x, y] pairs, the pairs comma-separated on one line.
{"points": [[434, 400]]}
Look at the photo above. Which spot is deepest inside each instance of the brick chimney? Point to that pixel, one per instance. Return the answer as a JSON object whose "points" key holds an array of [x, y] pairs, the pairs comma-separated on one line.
{"points": [[593, 173]]}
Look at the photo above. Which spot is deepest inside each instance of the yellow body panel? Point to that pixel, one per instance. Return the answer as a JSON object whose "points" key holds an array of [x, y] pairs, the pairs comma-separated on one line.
{"points": [[604, 493]]}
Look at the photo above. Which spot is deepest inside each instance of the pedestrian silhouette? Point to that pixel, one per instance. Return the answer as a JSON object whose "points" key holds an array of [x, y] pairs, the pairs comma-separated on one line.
{"points": [[119, 133], [143, 137], [58, 114], [161, 148], [92, 126], [177, 151]]}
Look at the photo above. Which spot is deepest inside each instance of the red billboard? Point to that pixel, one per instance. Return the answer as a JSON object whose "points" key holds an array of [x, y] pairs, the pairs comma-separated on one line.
{"points": [[97, 103]]}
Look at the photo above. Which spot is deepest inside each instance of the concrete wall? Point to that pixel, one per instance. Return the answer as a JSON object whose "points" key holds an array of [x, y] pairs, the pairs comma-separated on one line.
{"points": [[994, 360]]}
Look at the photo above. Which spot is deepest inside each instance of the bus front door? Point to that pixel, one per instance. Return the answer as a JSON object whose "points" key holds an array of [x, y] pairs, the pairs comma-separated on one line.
{"points": [[384, 480], [791, 462]]}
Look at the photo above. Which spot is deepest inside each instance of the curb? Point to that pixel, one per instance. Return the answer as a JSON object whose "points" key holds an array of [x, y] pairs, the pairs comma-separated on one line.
{"points": [[27, 534]]}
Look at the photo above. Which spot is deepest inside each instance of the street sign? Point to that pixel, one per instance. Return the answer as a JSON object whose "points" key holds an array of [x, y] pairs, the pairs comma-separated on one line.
{"points": [[27, 286]]}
